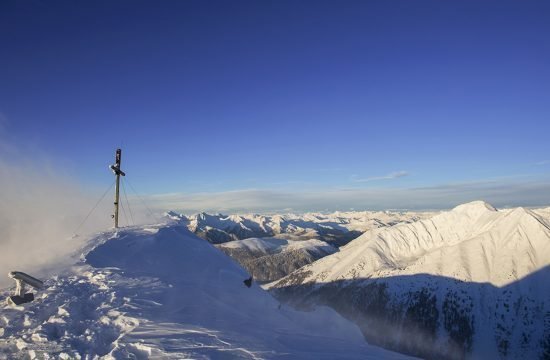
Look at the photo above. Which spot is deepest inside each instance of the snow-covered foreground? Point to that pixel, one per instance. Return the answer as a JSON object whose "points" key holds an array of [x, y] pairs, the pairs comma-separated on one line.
{"points": [[161, 292]]}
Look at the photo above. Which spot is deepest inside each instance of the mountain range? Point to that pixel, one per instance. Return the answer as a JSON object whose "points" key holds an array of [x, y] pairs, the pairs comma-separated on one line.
{"points": [[470, 282], [336, 228], [271, 247]]}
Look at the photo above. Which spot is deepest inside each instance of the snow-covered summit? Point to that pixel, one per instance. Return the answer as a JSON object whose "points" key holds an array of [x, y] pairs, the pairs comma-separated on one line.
{"points": [[161, 292], [475, 208]]}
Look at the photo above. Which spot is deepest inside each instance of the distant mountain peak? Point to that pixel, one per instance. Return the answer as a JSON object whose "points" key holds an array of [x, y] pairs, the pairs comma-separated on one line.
{"points": [[175, 216], [477, 207]]}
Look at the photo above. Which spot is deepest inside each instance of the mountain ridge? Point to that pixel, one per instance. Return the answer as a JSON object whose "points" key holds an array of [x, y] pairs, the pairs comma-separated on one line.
{"points": [[448, 270], [402, 245], [337, 228]]}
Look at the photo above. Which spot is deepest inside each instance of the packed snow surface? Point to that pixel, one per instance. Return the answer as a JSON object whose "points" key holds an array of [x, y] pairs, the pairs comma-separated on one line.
{"points": [[161, 292]]}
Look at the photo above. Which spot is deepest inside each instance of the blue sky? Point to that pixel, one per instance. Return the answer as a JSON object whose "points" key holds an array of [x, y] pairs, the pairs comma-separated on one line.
{"points": [[210, 98]]}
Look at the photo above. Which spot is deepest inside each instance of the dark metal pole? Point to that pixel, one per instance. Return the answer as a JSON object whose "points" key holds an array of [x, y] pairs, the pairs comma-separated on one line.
{"points": [[117, 164], [118, 172]]}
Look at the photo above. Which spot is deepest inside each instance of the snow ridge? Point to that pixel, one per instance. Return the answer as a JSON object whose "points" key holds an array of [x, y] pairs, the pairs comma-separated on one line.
{"points": [[481, 242], [465, 283]]}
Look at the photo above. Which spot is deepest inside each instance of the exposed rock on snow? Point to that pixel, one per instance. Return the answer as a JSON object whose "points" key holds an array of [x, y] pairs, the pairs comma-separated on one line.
{"points": [[468, 282]]}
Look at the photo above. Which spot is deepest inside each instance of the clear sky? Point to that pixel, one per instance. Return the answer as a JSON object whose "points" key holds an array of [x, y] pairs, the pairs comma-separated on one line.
{"points": [[297, 100]]}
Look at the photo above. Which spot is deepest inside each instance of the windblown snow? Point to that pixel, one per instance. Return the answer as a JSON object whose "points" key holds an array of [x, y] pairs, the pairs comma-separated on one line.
{"points": [[161, 292]]}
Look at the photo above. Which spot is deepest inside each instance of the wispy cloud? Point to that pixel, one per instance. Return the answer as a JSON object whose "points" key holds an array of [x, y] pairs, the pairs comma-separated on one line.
{"points": [[500, 193], [543, 162], [391, 176]]}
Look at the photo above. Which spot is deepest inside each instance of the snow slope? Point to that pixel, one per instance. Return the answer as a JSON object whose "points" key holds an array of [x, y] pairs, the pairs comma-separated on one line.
{"points": [[473, 242], [161, 292], [543, 212], [470, 280], [275, 245]]}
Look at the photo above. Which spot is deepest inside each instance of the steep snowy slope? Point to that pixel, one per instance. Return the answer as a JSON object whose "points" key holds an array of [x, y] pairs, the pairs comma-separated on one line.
{"points": [[473, 242], [161, 292], [468, 282], [337, 228], [543, 212], [270, 259]]}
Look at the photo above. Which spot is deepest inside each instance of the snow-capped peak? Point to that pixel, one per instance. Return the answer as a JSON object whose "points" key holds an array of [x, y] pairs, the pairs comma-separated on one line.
{"points": [[475, 208]]}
